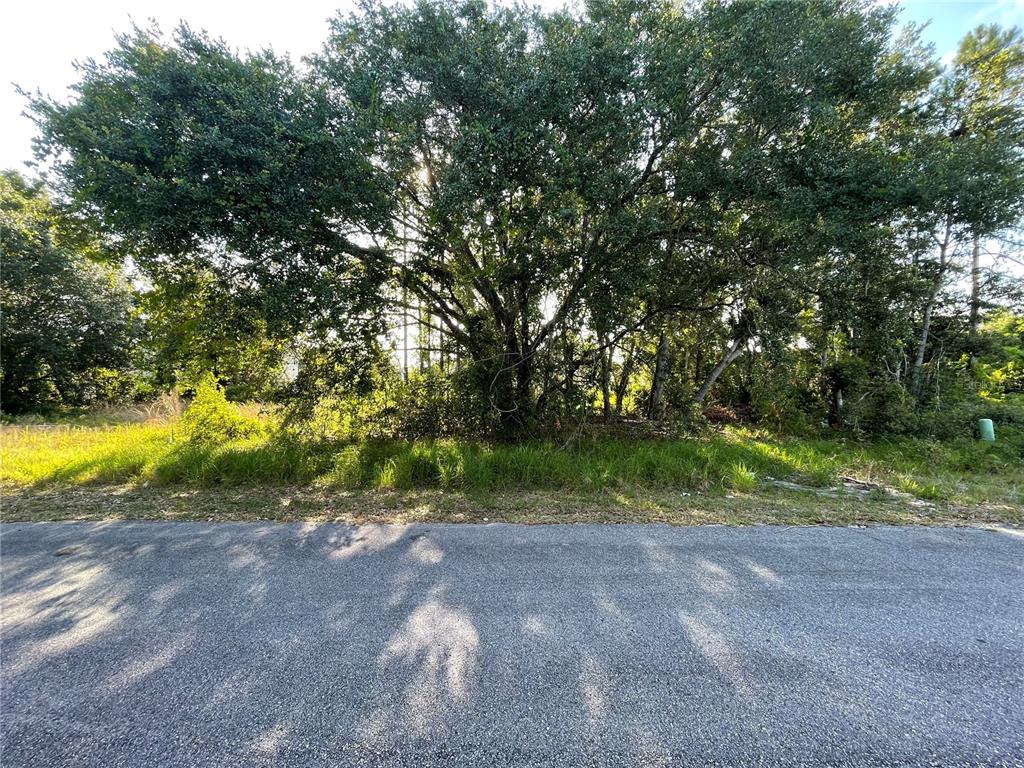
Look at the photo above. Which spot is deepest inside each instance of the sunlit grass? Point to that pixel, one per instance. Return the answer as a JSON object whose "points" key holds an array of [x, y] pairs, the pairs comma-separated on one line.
{"points": [[965, 471], [79, 455]]}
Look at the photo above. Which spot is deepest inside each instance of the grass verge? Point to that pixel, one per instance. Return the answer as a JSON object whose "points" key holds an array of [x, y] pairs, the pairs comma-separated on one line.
{"points": [[148, 471]]}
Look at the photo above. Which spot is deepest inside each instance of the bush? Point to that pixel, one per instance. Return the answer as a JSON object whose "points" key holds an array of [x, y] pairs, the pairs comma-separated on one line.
{"points": [[781, 405], [210, 418], [428, 404], [883, 408], [339, 417], [433, 403], [960, 420]]}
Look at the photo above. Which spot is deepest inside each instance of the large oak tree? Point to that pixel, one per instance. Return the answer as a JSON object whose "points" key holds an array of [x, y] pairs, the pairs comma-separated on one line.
{"points": [[533, 186]]}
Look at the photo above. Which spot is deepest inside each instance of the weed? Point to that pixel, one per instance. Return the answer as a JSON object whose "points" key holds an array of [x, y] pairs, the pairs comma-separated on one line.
{"points": [[253, 451]]}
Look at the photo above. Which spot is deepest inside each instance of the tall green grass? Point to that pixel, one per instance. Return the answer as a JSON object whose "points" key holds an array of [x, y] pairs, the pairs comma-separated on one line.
{"points": [[34, 456]]}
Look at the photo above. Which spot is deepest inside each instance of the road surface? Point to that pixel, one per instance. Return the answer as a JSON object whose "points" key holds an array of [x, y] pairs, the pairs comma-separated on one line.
{"points": [[188, 644]]}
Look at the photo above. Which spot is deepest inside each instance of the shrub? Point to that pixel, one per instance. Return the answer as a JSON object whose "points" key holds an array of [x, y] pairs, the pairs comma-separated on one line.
{"points": [[780, 404], [340, 417], [959, 420], [881, 408], [432, 403], [428, 404], [210, 418]]}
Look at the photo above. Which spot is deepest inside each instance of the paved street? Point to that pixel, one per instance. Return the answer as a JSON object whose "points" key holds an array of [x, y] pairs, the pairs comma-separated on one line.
{"points": [[185, 644]]}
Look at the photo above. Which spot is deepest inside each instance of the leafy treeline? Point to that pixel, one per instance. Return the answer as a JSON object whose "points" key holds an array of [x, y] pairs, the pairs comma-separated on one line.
{"points": [[641, 208], [67, 318]]}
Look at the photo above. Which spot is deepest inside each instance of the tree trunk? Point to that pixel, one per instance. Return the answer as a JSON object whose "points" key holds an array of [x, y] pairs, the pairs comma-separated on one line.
{"points": [[524, 391], [510, 388], [926, 324], [734, 351], [424, 340], [606, 380], [975, 292], [623, 383], [926, 319], [654, 405], [502, 397]]}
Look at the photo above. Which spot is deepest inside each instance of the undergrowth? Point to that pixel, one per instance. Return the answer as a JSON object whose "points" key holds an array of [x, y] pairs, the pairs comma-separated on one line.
{"points": [[250, 452]]}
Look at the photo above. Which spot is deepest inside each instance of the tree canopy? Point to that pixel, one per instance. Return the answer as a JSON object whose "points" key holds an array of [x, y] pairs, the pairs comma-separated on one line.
{"points": [[66, 320], [556, 199]]}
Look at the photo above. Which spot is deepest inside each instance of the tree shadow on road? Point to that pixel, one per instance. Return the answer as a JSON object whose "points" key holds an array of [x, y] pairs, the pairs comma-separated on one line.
{"points": [[255, 645]]}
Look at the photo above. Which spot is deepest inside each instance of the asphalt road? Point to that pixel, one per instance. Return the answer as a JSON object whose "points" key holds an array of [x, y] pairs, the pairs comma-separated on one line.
{"points": [[185, 644]]}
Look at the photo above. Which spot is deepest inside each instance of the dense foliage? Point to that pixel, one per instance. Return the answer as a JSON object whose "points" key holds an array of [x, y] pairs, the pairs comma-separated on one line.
{"points": [[66, 319], [641, 209]]}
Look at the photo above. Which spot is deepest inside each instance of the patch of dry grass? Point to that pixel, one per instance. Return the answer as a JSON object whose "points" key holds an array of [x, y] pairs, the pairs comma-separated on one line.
{"points": [[605, 506]]}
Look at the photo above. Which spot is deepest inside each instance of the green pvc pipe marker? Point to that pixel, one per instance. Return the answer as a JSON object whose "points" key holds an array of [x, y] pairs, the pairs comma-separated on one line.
{"points": [[987, 430]]}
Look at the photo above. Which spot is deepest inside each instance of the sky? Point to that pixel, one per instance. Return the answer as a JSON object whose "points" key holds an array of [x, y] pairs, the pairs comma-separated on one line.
{"points": [[40, 40]]}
